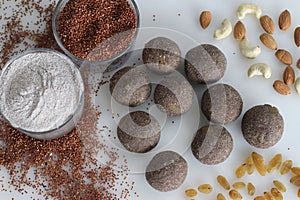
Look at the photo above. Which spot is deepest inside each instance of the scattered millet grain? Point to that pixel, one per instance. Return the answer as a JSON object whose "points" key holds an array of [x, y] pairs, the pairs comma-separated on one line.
{"points": [[16, 36]]}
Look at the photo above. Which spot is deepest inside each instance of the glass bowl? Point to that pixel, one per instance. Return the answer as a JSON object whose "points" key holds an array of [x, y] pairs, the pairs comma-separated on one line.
{"points": [[107, 64], [62, 126]]}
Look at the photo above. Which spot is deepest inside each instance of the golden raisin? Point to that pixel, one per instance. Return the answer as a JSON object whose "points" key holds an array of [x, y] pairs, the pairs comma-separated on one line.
{"points": [[286, 167], [241, 171], [296, 170], [250, 165], [279, 186], [235, 195], [205, 188], [260, 198], [260, 163], [274, 163], [239, 185], [223, 182], [220, 196], [191, 192], [295, 180], [276, 194], [268, 196], [251, 189]]}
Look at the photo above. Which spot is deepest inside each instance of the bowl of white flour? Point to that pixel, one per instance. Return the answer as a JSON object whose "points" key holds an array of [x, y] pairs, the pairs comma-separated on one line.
{"points": [[41, 93]]}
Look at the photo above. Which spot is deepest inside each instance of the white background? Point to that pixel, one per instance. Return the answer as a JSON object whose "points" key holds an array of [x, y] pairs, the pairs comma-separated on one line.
{"points": [[253, 91]]}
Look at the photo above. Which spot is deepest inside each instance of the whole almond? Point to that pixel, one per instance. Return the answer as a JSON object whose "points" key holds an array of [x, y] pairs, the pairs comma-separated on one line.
{"points": [[297, 36], [205, 19], [284, 56], [267, 24], [298, 63], [268, 41], [289, 75], [285, 20], [239, 31], [281, 88]]}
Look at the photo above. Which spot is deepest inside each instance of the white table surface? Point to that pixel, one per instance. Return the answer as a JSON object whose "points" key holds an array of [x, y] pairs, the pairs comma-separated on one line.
{"points": [[178, 20]]}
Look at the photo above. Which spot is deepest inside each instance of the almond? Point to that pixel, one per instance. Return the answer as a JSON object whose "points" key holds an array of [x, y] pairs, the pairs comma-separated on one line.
{"points": [[281, 88], [268, 41], [205, 19], [267, 24], [285, 20], [239, 31], [284, 56], [298, 63], [289, 75], [297, 36]]}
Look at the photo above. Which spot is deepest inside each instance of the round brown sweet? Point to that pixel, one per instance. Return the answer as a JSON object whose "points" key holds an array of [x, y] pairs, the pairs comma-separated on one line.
{"points": [[130, 86], [138, 132], [161, 55], [221, 103], [205, 64], [212, 144], [174, 95], [262, 126], [166, 171]]}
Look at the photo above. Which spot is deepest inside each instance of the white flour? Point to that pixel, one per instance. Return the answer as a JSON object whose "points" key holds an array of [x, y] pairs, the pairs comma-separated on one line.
{"points": [[39, 91]]}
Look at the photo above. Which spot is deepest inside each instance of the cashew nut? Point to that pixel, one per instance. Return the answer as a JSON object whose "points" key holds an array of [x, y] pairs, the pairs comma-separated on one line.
{"points": [[224, 30], [297, 85], [249, 51], [259, 69], [248, 8]]}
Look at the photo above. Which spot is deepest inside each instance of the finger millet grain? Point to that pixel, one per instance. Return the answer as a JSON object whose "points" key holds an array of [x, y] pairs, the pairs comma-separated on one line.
{"points": [[96, 30]]}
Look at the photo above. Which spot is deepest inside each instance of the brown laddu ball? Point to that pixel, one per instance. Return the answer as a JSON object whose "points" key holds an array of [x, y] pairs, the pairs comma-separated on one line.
{"points": [[262, 126]]}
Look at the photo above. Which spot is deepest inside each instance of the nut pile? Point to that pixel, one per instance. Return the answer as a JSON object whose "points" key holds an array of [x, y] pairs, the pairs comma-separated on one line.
{"points": [[268, 25], [252, 162]]}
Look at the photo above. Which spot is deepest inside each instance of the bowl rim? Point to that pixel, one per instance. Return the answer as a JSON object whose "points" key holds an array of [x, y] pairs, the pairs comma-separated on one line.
{"points": [[61, 3], [81, 101]]}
